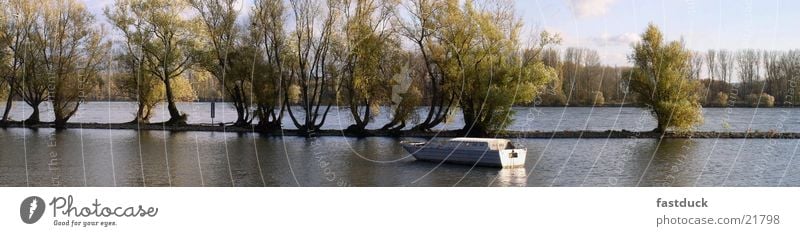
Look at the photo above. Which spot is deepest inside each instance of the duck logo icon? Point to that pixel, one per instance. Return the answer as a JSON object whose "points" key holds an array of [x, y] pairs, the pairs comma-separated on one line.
{"points": [[31, 209]]}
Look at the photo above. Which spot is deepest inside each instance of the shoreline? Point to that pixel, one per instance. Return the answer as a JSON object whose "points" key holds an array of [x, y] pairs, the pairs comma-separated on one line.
{"points": [[616, 134], [607, 105]]}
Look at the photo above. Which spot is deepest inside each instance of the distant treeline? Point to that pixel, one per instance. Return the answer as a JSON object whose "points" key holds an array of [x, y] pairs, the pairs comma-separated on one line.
{"points": [[729, 78]]}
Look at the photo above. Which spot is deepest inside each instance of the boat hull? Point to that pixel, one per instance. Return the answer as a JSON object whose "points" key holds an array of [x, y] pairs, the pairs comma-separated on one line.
{"points": [[487, 158]]}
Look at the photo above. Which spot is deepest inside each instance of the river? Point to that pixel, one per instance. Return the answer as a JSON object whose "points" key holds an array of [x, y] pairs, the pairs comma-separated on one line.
{"points": [[86, 157]]}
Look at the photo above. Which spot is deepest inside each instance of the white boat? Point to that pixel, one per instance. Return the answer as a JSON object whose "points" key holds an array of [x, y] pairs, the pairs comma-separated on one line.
{"points": [[470, 151]]}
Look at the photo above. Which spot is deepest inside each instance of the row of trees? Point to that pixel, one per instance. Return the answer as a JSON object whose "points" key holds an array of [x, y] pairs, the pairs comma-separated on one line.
{"points": [[582, 79], [445, 55], [316, 54], [51, 50], [727, 77], [759, 73]]}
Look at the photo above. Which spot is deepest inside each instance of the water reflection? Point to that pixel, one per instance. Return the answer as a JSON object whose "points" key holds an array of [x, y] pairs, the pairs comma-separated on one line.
{"points": [[670, 164], [517, 177]]}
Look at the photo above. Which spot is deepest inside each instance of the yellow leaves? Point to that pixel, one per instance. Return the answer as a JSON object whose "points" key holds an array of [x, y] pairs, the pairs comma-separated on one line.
{"points": [[294, 93], [67, 48], [182, 89], [722, 99], [660, 80], [761, 100], [148, 90], [477, 51], [680, 115], [598, 99], [371, 55], [407, 107]]}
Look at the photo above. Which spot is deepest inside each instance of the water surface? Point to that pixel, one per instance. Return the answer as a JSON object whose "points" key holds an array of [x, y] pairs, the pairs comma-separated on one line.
{"points": [[157, 158], [85, 157], [525, 119]]}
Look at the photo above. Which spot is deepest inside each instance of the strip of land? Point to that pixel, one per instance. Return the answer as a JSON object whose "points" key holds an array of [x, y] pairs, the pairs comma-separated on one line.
{"points": [[420, 134]]}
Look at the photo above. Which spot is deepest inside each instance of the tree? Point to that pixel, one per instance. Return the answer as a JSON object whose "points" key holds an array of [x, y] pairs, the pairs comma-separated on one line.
{"points": [[790, 67], [71, 48], [580, 72], [725, 67], [221, 35], [34, 87], [372, 57], [749, 68], [420, 27], [5, 55], [781, 69], [598, 99], [696, 65], [312, 64], [760, 100], [772, 77], [18, 19], [144, 88], [722, 99], [660, 81], [268, 31], [695, 69], [147, 89], [482, 53], [167, 47], [182, 88], [134, 81], [405, 98], [554, 93], [711, 67]]}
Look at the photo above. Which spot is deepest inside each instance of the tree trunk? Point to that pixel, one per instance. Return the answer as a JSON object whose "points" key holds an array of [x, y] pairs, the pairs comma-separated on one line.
{"points": [[241, 120], [472, 126], [142, 115], [660, 128], [399, 127], [267, 120], [174, 115], [268, 126], [60, 123], [34, 118], [391, 124], [61, 118], [9, 103], [476, 130]]}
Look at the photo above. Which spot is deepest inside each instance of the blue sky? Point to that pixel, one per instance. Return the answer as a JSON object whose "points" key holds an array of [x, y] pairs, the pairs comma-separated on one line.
{"points": [[610, 26]]}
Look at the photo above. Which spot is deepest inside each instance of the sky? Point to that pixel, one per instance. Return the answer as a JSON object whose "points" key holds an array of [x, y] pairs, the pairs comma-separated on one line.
{"points": [[611, 26]]}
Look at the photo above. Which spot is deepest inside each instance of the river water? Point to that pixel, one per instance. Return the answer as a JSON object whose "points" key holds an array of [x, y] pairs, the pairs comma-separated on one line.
{"points": [[85, 157]]}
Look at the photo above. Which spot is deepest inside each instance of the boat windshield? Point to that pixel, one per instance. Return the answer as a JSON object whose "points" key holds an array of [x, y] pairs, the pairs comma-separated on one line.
{"points": [[510, 145]]}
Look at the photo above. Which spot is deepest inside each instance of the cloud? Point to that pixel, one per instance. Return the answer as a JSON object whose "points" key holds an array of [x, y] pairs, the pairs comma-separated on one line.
{"points": [[615, 40], [590, 8]]}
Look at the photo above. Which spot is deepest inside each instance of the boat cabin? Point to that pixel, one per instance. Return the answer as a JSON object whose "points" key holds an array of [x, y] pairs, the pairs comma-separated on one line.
{"points": [[481, 143]]}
